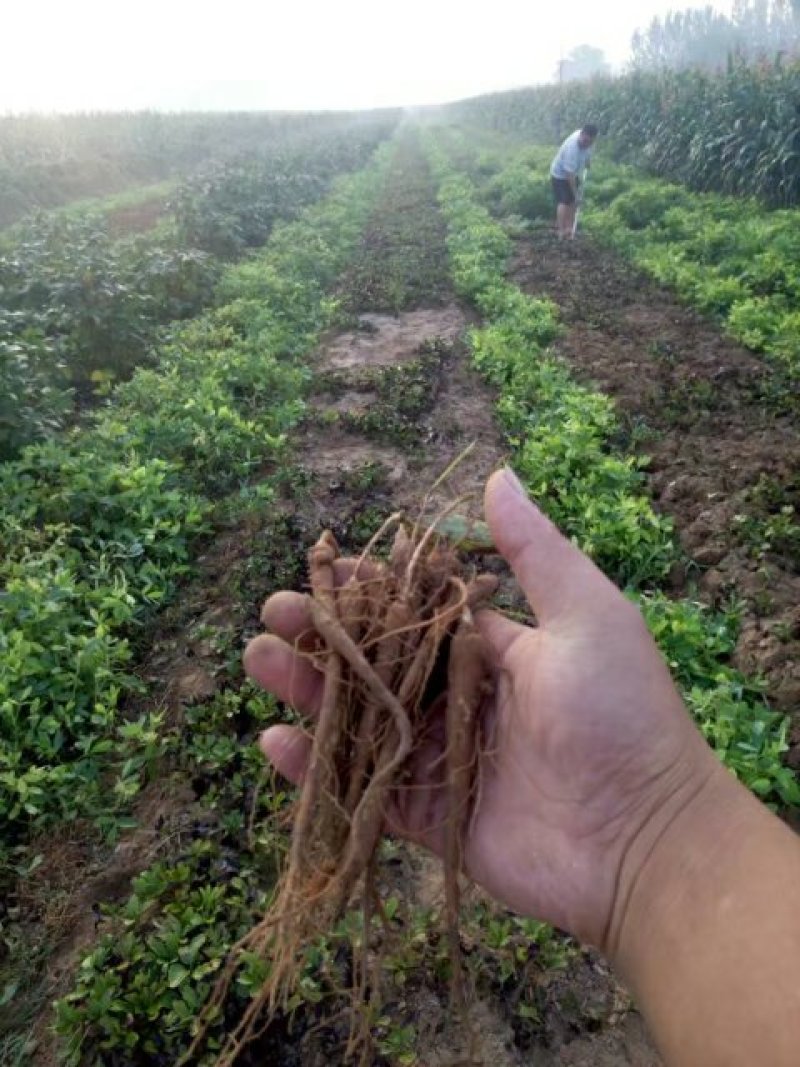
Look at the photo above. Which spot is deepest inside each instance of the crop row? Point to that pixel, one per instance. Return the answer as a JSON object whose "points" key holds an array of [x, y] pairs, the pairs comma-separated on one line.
{"points": [[47, 160], [562, 438], [80, 309], [95, 530], [729, 258]]}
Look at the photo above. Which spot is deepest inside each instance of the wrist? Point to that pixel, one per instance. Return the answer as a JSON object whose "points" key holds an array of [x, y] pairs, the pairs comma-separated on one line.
{"points": [[675, 848], [708, 930]]}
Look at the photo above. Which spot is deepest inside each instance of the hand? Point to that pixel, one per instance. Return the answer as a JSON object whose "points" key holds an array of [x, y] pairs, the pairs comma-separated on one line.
{"points": [[591, 753]]}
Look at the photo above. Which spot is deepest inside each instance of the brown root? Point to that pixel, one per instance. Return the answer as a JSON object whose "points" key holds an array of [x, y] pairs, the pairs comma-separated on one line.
{"points": [[398, 648], [468, 670]]}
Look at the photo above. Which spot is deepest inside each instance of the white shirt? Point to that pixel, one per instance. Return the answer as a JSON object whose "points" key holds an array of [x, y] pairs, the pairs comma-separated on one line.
{"points": [[571, 158]]}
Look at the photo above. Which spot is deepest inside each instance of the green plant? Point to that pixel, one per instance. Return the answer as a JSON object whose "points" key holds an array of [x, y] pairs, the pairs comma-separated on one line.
{"points": [[398, 1043], [778, 532], [95, 530], [521, 189], [96, 300], [641, 206], [35, 398], [158, 961]]}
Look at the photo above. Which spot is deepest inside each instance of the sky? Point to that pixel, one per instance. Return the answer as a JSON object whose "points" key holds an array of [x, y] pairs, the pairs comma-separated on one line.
{"points": [[68, 55]]}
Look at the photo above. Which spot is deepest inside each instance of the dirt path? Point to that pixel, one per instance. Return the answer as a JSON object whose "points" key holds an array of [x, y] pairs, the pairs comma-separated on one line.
{"points": [[724, 463]]}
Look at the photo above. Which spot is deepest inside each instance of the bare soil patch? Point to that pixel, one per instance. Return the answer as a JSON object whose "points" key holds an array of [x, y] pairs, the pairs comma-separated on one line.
{"points": [[383, 340], [138, 218]]}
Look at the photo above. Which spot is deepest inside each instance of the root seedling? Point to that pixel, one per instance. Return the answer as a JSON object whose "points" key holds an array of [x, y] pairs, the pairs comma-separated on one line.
{"points": [[398, 646]]}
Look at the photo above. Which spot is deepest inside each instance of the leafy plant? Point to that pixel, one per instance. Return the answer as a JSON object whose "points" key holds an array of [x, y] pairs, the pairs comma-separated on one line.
{"points": [[98, 301], [95, 530], [35, 398], [158, 961], [522, 188]]}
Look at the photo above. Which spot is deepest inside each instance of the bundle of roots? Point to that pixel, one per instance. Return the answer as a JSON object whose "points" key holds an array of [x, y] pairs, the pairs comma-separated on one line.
{"points": [[401, 658]]}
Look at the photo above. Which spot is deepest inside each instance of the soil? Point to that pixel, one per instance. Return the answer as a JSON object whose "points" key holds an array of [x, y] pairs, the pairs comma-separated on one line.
{"points": [[136, 219], [458, 415], [721, 455], [384, 340]]}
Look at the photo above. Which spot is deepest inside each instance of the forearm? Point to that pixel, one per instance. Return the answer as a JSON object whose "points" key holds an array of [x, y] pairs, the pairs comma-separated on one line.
{"points": [[710, 938]]}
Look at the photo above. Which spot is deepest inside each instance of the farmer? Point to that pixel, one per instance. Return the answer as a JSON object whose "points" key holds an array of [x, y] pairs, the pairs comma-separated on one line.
{"points": [[602, 810], [566, 174]]}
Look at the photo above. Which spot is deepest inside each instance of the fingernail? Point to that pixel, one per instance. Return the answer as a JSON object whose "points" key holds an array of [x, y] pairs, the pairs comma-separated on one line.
{"points": [[514, 482]]}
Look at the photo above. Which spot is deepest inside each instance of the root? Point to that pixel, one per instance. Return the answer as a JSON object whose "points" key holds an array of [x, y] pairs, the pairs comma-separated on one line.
{"points": [[401, 657], [467, 674]]}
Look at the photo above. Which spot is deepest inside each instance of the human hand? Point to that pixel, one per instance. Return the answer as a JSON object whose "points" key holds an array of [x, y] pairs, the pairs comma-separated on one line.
{"points": [[590, 751]]}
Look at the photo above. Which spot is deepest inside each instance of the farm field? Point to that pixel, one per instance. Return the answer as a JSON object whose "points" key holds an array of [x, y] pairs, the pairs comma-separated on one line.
{"points": [[304, 342], [88, 291], [51, 161]]}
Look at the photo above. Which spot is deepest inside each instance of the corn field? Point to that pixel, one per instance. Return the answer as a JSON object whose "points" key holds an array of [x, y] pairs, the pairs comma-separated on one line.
{"points": [[736, 132]]}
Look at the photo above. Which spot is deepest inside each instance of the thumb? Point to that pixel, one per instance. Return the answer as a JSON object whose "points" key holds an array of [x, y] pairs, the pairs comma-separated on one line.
{"points": [[556, 577]]}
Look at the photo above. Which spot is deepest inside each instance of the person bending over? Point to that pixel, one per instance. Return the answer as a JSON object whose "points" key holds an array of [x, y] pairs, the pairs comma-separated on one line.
{"points": [[566, 174]]}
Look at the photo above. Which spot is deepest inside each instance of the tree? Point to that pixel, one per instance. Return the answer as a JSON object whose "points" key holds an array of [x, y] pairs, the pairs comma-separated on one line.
{"points": [[583, 62], [707, 38], [699, 37]]}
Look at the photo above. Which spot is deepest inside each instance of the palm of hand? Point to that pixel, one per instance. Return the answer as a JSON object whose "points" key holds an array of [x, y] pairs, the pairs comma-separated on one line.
{"points": [[558, 801]]}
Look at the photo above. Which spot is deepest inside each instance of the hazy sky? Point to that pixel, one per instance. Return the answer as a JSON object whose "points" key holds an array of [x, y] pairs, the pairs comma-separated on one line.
{"points": [[78, 54]]}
